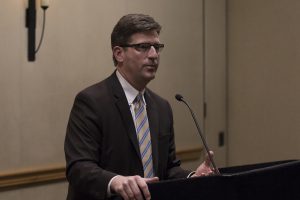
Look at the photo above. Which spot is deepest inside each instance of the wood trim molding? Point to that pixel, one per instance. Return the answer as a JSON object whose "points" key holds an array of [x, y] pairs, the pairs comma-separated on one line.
{"points": [[55, 173], [34, 176], [190, 154]]}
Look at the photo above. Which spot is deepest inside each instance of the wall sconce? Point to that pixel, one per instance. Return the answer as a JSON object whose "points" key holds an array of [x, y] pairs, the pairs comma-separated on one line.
{"points": [[31, 24]]}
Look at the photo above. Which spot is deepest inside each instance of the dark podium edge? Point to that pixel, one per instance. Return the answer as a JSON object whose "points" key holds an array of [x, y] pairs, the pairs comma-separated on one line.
{"points": [[271, 180]]}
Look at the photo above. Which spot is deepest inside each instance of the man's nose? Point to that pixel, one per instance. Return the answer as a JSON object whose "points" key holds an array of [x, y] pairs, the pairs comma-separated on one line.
{"points": [[152, 52]]}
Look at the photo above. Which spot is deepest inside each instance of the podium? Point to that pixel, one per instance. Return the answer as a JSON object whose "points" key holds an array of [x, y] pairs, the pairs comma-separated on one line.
{"points": [[273, 180]]}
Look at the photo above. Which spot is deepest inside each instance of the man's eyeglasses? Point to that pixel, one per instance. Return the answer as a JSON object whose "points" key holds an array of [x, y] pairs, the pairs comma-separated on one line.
{"points": [[145, 47]]}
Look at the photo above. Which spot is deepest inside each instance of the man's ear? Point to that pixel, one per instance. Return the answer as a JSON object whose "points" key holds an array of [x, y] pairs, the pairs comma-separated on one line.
{"points": [[118, 53]]}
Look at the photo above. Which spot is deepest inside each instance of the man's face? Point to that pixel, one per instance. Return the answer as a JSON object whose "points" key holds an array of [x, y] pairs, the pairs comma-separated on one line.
{"points": [[138, 65]]}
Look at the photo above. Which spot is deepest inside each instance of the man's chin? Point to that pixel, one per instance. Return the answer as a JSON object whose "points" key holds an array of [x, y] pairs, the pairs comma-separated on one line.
{"points": [[150, 75]]}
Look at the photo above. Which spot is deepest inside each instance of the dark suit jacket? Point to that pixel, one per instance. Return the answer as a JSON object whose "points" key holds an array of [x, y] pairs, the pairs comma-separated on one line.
{"points": [[101, 141]]}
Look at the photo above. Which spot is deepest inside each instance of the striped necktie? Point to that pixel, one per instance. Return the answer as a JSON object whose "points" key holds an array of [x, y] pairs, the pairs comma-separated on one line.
{"points": [[143, 135]]}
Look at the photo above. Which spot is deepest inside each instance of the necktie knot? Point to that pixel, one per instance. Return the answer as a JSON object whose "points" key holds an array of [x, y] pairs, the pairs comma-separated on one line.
{"points": [[138, 101], [139, 97]]}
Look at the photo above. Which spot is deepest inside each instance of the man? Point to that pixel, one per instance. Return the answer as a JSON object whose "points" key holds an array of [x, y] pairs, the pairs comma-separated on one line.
{"points": [[120, 134]]}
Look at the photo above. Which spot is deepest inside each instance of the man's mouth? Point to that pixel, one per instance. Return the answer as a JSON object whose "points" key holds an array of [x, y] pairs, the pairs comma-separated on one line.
{"points": [[151, 65]]}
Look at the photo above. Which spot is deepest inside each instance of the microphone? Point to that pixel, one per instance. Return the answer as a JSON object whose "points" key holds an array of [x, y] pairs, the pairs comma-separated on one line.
{"points": [[180, 98]]}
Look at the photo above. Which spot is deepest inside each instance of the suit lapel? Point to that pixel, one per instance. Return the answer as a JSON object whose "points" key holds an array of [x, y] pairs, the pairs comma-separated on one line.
{"points": [[124, 111], [152, 113]]}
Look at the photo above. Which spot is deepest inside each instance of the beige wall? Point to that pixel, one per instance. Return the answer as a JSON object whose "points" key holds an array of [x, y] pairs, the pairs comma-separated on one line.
{"points": [[55, 191], [263, 80], [215, 77]]}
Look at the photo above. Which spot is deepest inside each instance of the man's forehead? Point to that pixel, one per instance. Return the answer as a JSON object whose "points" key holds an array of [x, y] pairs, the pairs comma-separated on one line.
{"points": [[148, 35]]}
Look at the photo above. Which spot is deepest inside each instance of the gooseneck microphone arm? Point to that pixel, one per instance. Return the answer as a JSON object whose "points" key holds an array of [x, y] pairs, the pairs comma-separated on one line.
{"points": [[180, 98]]}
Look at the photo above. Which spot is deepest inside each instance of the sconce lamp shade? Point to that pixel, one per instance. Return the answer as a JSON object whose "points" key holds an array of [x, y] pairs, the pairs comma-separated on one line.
{"points": [[45, 3]]}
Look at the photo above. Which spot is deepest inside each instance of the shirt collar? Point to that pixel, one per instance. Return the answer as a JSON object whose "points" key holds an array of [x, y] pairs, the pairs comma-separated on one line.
{"points": [[130, 91]]}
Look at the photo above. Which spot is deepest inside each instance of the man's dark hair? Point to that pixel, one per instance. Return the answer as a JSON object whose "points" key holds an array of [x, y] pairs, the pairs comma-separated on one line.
{"points": [[129, 25]]}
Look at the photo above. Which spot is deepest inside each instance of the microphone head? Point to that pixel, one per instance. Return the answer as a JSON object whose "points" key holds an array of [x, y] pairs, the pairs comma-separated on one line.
{"points": [[179, 97]]}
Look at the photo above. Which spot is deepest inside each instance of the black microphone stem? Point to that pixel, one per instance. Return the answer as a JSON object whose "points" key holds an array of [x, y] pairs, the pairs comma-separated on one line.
{"points": [[202, 138]]}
